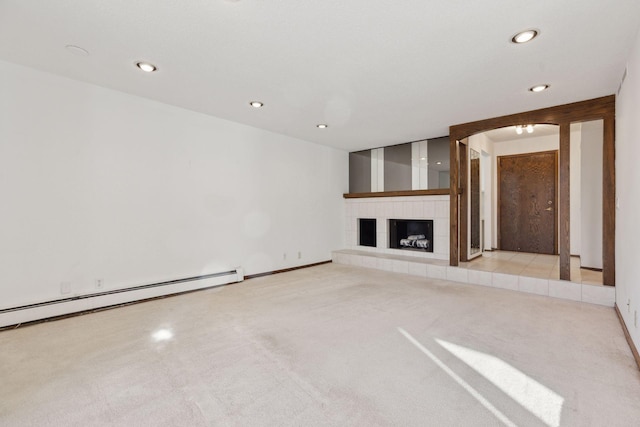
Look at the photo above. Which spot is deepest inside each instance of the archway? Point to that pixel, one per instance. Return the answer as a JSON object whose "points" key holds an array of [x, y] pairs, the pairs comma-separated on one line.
{"points": [[563, 116]]}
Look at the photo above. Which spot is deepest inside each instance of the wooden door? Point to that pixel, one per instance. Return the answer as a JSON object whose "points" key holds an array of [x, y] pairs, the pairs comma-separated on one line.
{"points": [[527, 213]]}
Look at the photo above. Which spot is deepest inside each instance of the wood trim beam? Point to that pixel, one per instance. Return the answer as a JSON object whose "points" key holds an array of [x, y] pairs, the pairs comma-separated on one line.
{"points": [[583, 111], [463, 152], [564, 206], [498, 196], [407, 193], [453, 201], [609, 202]]}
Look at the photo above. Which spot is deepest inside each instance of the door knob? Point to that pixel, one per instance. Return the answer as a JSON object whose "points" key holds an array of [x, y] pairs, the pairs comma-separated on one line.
{"points": [[549, 209]]}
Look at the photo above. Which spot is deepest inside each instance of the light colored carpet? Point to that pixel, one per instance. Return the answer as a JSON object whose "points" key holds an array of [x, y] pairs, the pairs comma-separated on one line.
{"points": [[332, 345]]}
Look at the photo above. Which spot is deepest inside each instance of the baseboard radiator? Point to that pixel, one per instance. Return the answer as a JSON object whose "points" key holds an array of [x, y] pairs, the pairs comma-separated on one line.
{"points": [[87, 302]]}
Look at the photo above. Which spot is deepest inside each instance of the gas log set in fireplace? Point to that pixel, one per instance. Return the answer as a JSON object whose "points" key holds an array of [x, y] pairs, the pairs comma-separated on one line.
{"points": [[411, 234]]}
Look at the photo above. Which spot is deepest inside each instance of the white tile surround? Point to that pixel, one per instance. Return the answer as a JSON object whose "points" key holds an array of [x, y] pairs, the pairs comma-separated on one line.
{"points": [[435, 208], [439, 269]]}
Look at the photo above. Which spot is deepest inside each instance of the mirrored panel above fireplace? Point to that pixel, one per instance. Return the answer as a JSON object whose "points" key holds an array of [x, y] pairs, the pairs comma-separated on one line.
{"points": [[418, 165]]}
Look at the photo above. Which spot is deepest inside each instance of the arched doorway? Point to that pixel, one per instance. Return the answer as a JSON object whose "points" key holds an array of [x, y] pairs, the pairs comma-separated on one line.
{"points": [[563, 116]]}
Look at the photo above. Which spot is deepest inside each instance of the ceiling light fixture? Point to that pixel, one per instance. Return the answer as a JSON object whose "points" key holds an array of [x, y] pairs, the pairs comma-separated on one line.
{"points": [[322, 126], [520, 129], [538, 88], [525, 36], [256, 104], [146, 67], [438, 163]]}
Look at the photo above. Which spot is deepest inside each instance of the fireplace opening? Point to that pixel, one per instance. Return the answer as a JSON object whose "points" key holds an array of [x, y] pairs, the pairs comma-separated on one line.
{"points": [[411, 234], [367, 232]]}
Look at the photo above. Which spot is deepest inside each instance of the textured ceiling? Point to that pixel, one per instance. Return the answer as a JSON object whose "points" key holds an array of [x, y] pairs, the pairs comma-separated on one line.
{"points": [[379, 72]]}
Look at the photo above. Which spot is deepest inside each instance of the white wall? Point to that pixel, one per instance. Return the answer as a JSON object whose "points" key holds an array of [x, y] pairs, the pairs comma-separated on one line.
{"points": [[100, 184], [628, 195], [591, 194]]}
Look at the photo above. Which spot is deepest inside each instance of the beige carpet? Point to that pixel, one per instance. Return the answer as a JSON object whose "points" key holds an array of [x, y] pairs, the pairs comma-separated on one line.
{"points": [[326, 346]]}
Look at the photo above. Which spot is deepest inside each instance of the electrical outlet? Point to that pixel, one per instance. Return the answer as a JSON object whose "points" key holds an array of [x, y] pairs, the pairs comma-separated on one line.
{"points": [[65, 287], [99, 283], [284, 256], [299, 255]]}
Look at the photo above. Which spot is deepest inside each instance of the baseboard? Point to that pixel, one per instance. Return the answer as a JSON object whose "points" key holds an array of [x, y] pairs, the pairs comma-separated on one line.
{"points": [[634, 350], [13, 317], [269, 273]]}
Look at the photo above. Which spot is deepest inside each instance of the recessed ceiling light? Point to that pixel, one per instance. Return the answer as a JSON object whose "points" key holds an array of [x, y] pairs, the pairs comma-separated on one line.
{"points": [[256, 104], [524, 36], [423, 158], [322, 126], [77, 50], [539, 88], [146, 67], [438, 163]]}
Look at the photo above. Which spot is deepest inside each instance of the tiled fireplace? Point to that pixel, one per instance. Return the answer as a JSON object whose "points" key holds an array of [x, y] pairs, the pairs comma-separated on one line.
{"points": [[435, 265], [383, 209]]}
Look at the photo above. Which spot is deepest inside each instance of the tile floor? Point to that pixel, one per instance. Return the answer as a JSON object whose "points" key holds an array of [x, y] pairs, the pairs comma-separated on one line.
{"points": [[532, 265]]}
